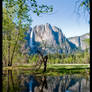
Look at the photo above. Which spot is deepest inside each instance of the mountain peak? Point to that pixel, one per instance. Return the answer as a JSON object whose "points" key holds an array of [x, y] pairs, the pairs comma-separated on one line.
{"points": [[52, 37]]}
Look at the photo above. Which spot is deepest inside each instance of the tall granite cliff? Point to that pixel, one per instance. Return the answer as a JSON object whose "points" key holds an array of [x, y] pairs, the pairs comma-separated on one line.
{"points": [[50, 37]]}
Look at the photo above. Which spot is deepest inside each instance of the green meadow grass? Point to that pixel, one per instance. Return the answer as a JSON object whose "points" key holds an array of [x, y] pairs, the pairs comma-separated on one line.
{"points": [[52, 70]]}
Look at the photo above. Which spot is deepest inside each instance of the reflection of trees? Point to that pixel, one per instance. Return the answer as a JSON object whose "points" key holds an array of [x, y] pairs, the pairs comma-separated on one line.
{"points": [[80, 85], [10, 82], [64, 83], [54, 84], [42, 84], [21, 83], [15, 83]]}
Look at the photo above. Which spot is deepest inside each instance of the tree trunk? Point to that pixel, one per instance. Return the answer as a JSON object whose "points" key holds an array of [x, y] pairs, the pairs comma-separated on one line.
{"points": [[9, 61], [8, 88], [10, 79], [13, 52], [45, 63], [14, 48]]}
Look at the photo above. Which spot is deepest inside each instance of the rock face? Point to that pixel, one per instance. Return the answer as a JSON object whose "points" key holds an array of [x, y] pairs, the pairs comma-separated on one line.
{"points": [[51, 38], [79, 41]]}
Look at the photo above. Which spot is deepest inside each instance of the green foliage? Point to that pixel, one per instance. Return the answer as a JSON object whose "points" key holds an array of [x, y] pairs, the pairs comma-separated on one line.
{"points": [[33, 59], [87, 41], [77, 58], [8, 32], [85, 3], [16, 20], [83, 8], [19, 10]]}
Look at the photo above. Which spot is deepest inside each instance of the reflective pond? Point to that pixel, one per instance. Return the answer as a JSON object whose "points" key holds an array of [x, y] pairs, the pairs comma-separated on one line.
{"points": [[16, 81]]}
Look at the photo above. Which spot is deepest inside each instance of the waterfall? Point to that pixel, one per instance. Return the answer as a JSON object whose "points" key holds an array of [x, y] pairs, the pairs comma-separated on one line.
{"points": [[32, 39]]}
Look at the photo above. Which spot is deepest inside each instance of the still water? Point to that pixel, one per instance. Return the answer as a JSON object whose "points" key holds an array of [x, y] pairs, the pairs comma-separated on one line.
{"points": [[16, 81]]}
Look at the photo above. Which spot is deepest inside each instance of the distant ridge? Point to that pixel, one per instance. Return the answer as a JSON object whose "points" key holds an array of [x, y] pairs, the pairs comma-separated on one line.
{"points": [[79, 41]]}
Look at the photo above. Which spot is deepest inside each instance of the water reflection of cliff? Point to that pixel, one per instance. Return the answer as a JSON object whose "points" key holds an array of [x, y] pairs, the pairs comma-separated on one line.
{"points": [[28, 83]]}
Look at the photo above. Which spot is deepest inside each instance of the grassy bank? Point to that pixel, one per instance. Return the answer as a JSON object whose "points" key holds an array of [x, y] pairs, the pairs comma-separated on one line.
{"points": [[66, 66], [53, 69]]}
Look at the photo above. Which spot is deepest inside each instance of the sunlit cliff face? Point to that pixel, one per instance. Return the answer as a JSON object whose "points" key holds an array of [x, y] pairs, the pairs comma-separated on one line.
{"points": [[50, 37]]}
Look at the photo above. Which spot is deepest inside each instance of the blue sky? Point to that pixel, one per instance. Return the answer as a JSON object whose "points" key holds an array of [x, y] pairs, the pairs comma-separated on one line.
{"points": [[64, 17]]}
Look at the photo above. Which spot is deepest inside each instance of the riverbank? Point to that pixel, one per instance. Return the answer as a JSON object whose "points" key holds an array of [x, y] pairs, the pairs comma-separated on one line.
{"points": [[66, 66], [53, 69]]}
